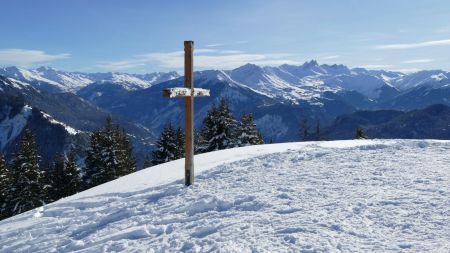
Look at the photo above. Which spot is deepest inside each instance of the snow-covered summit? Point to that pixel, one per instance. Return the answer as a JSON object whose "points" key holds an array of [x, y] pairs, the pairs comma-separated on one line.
{"points": [[346, 196], [430, 78], [65, 81]]}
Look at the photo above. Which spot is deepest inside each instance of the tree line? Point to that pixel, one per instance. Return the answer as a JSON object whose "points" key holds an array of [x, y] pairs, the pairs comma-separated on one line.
{"points": [[220, 131], [306, 135], [26, 184]]}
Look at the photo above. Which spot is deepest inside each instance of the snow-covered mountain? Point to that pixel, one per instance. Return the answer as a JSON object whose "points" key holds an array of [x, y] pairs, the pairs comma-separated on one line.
{"points": [[337, 196], [57, 119], [286, 82], [429, 78], [54, 80], [309, 81], [279, 96]]}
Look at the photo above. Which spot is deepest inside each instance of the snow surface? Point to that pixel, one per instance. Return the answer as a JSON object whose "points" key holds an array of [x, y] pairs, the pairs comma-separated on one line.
{"points": [[339, 196]]}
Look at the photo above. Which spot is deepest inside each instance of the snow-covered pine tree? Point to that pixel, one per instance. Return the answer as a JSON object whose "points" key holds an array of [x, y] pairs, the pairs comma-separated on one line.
{"points": [[56, 178], [28, 182], [247, 133], [63, 176], [198, 140], [179, 136], [219, 128], [72, 174], [5, 186], [109, 156], [110, 149], [127, 162], [166, 146], [93, 173]]}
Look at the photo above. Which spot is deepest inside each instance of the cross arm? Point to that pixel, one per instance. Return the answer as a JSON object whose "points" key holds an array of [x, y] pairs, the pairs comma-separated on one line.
{"points": [[184, 92]]}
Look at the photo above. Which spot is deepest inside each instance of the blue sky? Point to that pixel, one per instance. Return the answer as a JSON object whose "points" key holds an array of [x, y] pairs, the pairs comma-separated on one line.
{"points": [[140, 36]]}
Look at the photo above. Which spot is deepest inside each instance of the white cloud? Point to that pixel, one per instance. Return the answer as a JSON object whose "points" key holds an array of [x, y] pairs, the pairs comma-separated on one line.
{"points": [[120, 65], [227, 44], [417, 61], [376, 66], [330, 57], [24, 57], [415, 45], [205, 50], [215, 45], [231, 52], [406, 70], [204, 59]]}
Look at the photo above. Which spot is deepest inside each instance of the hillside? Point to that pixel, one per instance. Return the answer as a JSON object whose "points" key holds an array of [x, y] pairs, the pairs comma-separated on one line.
{"points": [[347, 196], [432, 122], [50, 112]]}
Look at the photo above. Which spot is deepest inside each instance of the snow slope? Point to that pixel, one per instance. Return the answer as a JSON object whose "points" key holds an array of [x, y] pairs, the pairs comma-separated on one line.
{"points": [[340, 196]]}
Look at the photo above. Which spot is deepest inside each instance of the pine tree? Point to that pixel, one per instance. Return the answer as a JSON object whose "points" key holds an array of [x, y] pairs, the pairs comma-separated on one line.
{"points": [[219, 128], [179, 136], [72, 172], [247, 133], [148, 161], [198, 140], [318, 131], [5, 186], [63, 176], [109, 156], [166, 146], [28, 182], [360, 134], [56, 178], [109, 151], [126, 159], [94, 165], [305, 129]]}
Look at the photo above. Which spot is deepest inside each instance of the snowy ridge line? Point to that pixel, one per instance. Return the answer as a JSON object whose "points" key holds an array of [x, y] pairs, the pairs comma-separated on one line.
{"points": [[70, 130], [66, 81], [172, 171], [337, 196]]}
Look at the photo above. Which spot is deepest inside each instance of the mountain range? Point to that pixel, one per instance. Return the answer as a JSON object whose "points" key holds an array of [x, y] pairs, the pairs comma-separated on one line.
{"points": [[57, 81], [280, 98]]}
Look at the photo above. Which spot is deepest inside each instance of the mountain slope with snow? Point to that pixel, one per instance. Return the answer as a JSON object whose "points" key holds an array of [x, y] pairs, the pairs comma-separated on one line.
{"points": [[346, 196], [54, 80], [57, 120], [282, 95]]}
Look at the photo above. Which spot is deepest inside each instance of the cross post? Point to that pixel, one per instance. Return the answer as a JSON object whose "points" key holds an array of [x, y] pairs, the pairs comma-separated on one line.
{"points": [[188, 92]]}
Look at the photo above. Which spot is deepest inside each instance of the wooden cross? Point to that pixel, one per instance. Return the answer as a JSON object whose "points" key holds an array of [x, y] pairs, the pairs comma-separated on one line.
{"points": [[188, 92]]}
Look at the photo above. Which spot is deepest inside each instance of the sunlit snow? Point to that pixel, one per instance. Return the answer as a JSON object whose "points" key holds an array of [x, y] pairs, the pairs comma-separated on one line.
{"points": [[340, 196]]}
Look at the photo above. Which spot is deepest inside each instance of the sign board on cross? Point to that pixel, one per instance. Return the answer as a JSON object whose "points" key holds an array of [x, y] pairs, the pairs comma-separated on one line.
{"points": [[188, 92]]}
